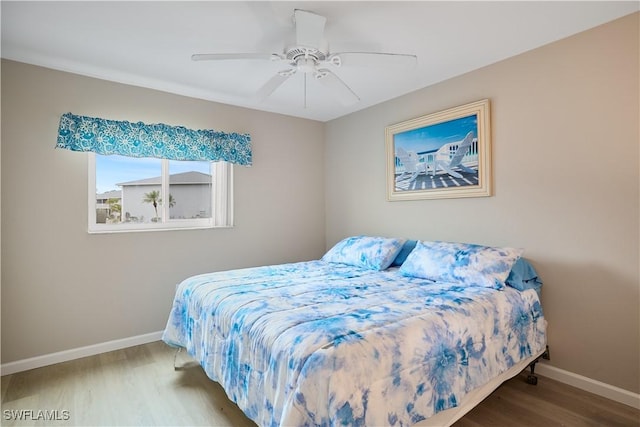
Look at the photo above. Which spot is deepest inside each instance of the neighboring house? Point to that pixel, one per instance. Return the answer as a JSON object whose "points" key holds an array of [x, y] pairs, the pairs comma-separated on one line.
{"points": [[105, 205], [189, 196]]}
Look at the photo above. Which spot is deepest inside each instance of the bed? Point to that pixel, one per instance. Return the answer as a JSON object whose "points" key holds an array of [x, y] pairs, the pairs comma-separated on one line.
{"points": [[380, 331]]}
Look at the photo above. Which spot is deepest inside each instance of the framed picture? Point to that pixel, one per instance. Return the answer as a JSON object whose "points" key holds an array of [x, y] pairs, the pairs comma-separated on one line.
{"points": [[440, 155]]}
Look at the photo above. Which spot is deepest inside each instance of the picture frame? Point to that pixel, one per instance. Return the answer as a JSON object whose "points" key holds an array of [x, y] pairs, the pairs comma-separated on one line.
{"points": [[441, 155]]}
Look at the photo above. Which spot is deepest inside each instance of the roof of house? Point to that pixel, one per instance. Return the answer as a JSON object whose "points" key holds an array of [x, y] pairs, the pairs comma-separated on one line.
{"points": [[191, 177], [113, 194]]}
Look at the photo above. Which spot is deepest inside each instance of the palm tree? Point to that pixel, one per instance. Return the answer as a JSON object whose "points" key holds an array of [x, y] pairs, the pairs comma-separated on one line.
{"points": [[172, 201], [153, 197]]}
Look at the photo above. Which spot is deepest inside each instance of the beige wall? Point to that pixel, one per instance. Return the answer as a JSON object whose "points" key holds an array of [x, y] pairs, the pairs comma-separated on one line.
{"points": [[63, 288], [565, 144]]}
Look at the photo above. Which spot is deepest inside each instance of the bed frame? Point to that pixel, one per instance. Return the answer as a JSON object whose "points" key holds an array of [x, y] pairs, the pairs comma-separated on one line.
{"points": [[531, 378]]}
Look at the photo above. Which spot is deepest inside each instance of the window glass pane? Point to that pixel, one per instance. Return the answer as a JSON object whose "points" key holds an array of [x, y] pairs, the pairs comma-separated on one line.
{"points": [[189, 190], [128, 189], [134, 194]]}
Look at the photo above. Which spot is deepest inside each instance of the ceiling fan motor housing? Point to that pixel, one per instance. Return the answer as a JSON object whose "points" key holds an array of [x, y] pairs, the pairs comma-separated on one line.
{"points": [[294, 53]]}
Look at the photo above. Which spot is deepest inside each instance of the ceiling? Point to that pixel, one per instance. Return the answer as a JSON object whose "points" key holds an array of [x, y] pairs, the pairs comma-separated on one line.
{"points": [[150, 44]]}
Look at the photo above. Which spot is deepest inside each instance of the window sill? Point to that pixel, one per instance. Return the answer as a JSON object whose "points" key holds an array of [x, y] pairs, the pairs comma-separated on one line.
{"points": [[169, 227]]}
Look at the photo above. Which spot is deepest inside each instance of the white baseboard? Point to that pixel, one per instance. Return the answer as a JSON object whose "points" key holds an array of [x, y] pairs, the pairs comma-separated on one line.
{"points": [[587, 384], [77, 353]]}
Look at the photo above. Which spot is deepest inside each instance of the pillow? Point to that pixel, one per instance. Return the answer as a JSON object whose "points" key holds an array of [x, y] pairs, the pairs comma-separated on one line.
{"points": [[404, 252], [523, 276], [373, 253], [468, 264]]}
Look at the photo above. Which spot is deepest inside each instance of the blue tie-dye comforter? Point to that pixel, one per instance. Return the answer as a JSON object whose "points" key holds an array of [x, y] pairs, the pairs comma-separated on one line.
{"points": [[317, 343]]}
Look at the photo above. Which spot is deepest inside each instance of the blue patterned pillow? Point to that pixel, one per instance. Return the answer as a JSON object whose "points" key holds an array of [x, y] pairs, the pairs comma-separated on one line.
{"points": [[404, 252], [373, 253], [523, 276], [472, 265]]}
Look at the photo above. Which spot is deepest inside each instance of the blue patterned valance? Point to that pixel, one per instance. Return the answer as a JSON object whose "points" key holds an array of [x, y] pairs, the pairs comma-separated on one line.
{"points": [[81, 133]]}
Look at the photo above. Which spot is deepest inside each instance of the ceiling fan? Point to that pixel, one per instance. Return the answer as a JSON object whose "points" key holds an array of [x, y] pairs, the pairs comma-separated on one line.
{"points": [[310, 56]]}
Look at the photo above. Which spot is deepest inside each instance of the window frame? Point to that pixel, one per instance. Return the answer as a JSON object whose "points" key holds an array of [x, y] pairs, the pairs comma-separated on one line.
{"points": [[221, 203]]}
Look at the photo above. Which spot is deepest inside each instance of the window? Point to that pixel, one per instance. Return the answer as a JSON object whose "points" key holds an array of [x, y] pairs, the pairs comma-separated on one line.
{"points": [[135, 194], [185, 180]]}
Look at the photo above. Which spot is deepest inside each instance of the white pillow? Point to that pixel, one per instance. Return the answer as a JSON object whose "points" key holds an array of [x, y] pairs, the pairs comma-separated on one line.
{"points": [[373, 253], [468, 264]]}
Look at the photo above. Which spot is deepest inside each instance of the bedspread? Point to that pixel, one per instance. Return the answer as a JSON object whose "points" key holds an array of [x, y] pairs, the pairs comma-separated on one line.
{"points": [[317, 343]]}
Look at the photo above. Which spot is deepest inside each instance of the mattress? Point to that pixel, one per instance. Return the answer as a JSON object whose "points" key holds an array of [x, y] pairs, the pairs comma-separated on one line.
{"points": [[319, 343]]}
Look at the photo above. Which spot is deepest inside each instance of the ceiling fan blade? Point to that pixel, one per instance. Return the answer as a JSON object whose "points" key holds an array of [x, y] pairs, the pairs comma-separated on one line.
{"points": [[272, 84], [339, 88], [226, 56], [309, 28], [374, 59]]}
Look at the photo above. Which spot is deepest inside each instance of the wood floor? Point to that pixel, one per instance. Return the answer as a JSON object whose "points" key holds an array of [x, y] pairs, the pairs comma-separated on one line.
{"points": [[138, 386]]}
